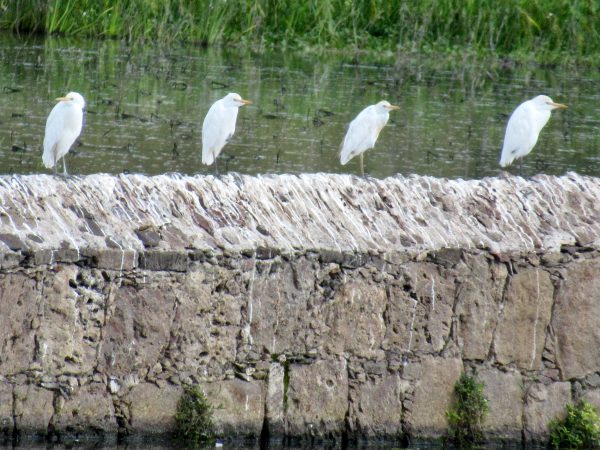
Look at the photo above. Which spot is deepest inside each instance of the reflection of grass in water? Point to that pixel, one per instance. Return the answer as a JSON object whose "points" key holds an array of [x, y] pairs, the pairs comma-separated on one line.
{"points": [[514, 27]]}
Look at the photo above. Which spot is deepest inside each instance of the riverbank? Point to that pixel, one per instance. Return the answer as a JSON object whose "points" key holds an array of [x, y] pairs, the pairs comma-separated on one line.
{"points": [[550, 32]]}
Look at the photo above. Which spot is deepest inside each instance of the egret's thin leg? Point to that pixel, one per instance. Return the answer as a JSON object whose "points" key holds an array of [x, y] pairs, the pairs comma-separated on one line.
{"points": [[362, 167], [520, 167], [65, 166], [55, 165], [216, 167]]}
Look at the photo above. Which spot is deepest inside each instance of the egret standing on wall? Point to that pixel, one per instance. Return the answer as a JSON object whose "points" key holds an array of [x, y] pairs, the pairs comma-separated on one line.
{"points": [[524, 126], [63, 126], [364, 130], [219, 126]]}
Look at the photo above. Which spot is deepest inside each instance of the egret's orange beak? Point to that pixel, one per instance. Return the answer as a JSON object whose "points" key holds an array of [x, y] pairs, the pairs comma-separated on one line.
{"points": [[63, 99], [393, 107], [558, 105], [246, 102]]}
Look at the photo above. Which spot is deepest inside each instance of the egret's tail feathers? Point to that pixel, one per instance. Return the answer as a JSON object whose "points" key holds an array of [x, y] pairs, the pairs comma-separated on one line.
{"points": [[48, 158], [208, 158]]}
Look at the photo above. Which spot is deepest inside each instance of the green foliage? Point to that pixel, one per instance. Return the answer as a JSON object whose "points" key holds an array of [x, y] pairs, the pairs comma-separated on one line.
{"points": [[194, 417], [513, 27], [469, 411], [579, 429]]}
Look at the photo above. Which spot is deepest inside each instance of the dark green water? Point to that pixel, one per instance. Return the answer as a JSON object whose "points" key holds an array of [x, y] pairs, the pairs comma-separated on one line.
{"points": [[146, 106]]}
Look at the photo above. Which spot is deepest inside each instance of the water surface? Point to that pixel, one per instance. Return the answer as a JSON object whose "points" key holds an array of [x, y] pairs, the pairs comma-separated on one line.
{"points": [[146, 106]]}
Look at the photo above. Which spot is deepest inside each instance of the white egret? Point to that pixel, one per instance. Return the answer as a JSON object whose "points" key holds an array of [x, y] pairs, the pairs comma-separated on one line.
{"points": [[524, 126], [364, 130], [219, 125], [63, 126]]}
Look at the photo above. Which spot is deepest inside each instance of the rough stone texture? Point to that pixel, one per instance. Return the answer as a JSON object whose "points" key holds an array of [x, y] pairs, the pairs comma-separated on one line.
{"points": [[312, 305], [67, 338], [137, 330], [479, 299], [430, 395], [207, 322], [504, 391], [152, 408], [18, 295], [593, 396], [420, 309], [278, 306], [376, 408], [521, 331], [314, 211], [33, 408], [354, 321], [317, 398], [6, 409], [274, 404], [239, 406], [90, 406], [544, 403], [576, 320]]}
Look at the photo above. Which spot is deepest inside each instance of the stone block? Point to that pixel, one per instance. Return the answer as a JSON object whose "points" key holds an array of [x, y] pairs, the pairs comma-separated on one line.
{"points": [[274, 402], [593, 397], [504, 391], [207, 323], [19, 299], [478, 296], [70, 319], [152, 409], [164, 260], [87, 408], [354, 320], [544, 403], [33, 409], [137, 328], [432, 389], [317, 398], [6, 410], [576, 320], [376, 408], [420, 309], [116, 259], [239, 406], [521, 332], [278, 308]]}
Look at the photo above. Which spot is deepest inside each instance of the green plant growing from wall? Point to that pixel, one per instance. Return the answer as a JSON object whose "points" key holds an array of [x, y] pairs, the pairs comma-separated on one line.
{"points": [[468, 412], [194, 417], [579, 429]]}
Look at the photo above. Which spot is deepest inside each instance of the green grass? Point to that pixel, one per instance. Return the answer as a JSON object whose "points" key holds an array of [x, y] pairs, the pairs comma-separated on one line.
{"points": [[549, 29]]}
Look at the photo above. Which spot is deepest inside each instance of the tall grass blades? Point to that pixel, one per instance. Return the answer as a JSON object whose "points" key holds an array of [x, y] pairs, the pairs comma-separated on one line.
{"points": [[540, 27]]}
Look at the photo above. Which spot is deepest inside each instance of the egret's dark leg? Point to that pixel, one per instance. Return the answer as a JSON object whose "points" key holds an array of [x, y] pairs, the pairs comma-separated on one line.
{"points": [[55, 165], [216, 167]]}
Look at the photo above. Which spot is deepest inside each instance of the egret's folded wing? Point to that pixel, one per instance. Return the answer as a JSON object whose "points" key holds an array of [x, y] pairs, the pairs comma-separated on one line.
{"points": [[55, 126]]}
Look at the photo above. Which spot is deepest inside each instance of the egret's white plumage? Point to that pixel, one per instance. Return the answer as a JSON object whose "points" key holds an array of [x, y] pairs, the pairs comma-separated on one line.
{"points": [[364, 130], [524, 126], [219, 125], [63, 126]]}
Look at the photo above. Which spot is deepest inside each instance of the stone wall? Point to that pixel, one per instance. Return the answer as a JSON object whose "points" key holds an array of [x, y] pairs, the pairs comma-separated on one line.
{"points": [[338, 318]]}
